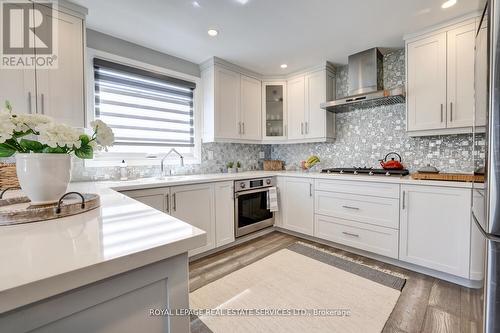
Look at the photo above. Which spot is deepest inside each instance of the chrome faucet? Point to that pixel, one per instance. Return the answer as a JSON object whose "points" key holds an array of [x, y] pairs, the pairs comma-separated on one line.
{"points": [[168, 154]]}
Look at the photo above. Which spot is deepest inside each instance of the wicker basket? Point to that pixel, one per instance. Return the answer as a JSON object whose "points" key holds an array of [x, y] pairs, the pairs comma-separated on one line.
{"points": [[273, 165], [8, 176]]}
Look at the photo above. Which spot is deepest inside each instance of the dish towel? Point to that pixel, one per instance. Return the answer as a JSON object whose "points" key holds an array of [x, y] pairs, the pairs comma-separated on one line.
{"points": [[272, 199]]}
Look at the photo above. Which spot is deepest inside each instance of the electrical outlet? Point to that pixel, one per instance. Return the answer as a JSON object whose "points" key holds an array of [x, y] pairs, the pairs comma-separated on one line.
{"points": [[262, 154], [210, 154]]}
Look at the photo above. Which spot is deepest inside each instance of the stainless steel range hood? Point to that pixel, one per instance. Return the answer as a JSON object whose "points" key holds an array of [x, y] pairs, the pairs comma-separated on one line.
{"points": [[366, 84]]}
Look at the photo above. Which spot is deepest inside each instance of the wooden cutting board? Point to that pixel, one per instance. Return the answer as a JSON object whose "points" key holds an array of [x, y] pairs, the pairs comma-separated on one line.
{"points": [[273, 165], [456, 177]]}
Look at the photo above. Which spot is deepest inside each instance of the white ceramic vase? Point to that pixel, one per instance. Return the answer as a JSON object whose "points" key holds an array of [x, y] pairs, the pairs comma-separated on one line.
{"points": [[44, 178]]}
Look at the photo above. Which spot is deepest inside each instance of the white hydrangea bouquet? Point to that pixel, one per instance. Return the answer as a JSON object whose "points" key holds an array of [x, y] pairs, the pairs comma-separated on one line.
{"points": [[33, 133], [43, 149]]}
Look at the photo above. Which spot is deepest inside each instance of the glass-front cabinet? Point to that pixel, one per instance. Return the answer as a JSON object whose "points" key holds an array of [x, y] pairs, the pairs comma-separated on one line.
{"points": [[274, 110]]}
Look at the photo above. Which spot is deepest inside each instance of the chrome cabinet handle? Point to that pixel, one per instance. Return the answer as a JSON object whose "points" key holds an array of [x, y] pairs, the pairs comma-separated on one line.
{"points": [[302, 128], [307, 127], [243, 128], [350, 207], [174, 207], [29, 102], [167, 200], [441, 112], [451, 111], [404, 200], [310, 189], [43, 103], [239, 127], [349, 234]]}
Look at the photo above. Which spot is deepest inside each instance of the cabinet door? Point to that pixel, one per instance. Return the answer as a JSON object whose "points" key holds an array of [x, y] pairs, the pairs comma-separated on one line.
{"points": [[435, 228], [61, 91], [315, 121], [461, 76], [194, 204], [296, 108], [227, 104], [251, 108], [18, 87], [298, 205], [224, 213], [274, 110], [155, 198], [426, 78]]}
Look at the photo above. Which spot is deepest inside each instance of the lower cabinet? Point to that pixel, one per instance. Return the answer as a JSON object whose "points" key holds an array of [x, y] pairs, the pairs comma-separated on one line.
{"points": [[224, 213], [297, 205], [195, 205], [383, 241], [435, 228], [209, 207]]}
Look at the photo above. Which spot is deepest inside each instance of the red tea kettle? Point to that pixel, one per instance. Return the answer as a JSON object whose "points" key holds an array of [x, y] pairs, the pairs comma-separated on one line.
{"points": [[391, 164]]}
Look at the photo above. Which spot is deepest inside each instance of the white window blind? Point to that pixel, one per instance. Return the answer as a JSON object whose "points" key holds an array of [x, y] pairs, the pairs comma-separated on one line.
{"points": [[148, 112]]}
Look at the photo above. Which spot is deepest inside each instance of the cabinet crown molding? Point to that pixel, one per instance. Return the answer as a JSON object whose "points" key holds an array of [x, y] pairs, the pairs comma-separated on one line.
{"points": [[443, 27]]}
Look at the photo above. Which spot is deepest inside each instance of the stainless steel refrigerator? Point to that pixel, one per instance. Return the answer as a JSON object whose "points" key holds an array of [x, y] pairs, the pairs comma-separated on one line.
{"points": [[486, 198]]}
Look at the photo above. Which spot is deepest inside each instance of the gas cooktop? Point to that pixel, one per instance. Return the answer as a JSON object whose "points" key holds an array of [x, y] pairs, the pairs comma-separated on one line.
{"points": [[367, 171]]}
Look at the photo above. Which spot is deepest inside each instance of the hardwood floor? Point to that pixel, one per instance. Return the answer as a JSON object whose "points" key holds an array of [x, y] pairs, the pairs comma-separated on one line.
{"points": [[426, 304]]}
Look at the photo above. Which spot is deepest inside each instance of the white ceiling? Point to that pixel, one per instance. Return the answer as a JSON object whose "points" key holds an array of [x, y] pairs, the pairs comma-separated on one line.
{"points": [[262, 34]]}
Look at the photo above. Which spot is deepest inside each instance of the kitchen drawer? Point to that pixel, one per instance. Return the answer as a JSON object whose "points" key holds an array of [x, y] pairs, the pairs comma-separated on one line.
{"points": [[358, 187], [379, 211], [383, 241]]}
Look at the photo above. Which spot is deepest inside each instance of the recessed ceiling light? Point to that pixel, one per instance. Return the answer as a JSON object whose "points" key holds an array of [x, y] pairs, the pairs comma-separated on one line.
{"points": [[212, 32], [196, 4], [284, 66], [448, 3]]}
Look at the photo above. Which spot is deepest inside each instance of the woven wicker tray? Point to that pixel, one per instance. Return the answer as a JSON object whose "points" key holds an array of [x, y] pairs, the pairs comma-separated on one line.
{"points": [[457, 177], [18, 210]]}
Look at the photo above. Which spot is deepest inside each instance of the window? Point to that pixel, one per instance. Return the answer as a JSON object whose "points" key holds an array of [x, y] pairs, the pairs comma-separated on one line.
{"points": [[150, 113]]}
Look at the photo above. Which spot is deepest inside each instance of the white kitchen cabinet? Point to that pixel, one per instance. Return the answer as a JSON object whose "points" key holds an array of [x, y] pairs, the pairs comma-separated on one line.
{"points": [[56, 92], [231, 105], [306, 120], [224, 213], [298, 205], [296, 107], [227, 104], [251, 123], [460, 70], [440, 80], [426, 82], [61, 91], [435, 228], [18, 87], [274, 110], [195, 205], [157, 198], [320, 87]]}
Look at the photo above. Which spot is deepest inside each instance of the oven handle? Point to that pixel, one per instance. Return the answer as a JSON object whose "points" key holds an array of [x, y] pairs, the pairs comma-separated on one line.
{"points": [[237, 194]]}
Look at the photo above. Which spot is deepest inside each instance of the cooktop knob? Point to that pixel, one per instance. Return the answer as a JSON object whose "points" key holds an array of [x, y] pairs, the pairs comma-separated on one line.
{"points": [[268, 181], [242, 185]]}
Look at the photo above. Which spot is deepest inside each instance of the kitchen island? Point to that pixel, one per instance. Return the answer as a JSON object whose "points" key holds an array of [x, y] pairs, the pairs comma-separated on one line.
{"points": [[102, 270]]}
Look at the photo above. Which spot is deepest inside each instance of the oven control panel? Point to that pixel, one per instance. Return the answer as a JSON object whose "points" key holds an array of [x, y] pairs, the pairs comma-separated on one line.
{"points": [[250, 184]]}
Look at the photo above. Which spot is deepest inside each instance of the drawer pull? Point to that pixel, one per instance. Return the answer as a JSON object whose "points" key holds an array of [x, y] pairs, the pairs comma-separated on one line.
{"points": [[349, 234], [350, 207]]}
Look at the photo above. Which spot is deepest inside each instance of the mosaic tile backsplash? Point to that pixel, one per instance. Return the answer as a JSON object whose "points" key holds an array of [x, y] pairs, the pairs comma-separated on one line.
{"points": [[247, 155], [365, 136]]}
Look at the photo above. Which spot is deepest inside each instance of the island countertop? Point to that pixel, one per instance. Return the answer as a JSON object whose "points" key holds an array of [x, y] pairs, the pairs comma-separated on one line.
{"points": [[42, 259]]}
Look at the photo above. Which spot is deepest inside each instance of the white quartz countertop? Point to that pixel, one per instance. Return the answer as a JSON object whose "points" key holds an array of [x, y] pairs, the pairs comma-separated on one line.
{"points": [[42, 259], [144, 183]]}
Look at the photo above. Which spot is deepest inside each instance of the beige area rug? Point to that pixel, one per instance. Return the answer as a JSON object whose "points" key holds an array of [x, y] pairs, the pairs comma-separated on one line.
{"points": [[299, 277]]}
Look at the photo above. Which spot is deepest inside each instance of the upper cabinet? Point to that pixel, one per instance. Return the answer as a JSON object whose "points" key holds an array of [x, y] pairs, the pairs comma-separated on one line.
{"points": [[56, 92], [307, 122], [440, 80], [242, 106], [231, 105], [274, 113]]}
